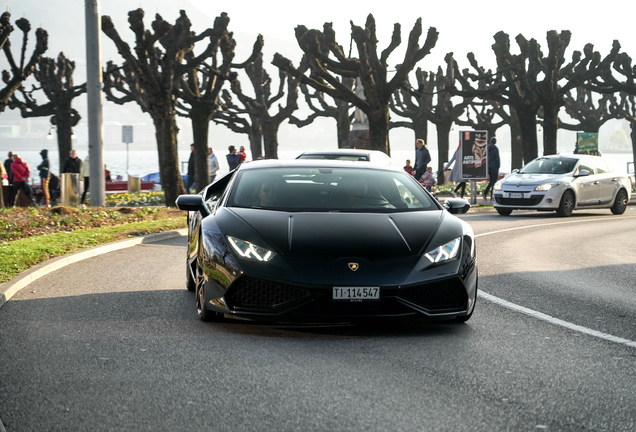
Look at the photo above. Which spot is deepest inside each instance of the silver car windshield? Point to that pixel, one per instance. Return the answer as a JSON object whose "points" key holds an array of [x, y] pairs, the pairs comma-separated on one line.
{"points": [[550, 166], [329, 189]]}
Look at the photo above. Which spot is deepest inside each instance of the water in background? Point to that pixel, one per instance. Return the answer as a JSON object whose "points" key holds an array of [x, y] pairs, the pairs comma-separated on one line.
{"points": [[145, 162]]}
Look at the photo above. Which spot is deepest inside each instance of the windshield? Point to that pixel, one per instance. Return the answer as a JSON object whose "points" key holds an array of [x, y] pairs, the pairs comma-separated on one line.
{"points": [[550, 166], [329, 189]]}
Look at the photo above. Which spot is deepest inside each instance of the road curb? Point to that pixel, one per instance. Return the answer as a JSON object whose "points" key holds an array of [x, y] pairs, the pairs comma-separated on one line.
{"points": [[10, 288]]}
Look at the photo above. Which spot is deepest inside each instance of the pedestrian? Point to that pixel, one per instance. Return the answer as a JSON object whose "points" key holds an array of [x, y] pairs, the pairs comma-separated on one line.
{"points": [[54, 188], [242, 155], [21, 173], [455, 173], [45, 171], [86, 174], [493, 167], [7, 167], [428, 180], [232, 158], [73, 164], [422, 158], [190, 178], [408, 167], [213, 164]]}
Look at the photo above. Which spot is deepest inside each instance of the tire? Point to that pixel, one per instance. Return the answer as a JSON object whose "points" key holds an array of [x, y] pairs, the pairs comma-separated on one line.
{"points": [[620, 203], [504, 211], [566, 207], [203, 313]]}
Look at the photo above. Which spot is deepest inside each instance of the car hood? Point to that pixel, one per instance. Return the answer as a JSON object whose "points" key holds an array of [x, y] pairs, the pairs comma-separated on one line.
{"points": [[533, 179], [333, 235]]}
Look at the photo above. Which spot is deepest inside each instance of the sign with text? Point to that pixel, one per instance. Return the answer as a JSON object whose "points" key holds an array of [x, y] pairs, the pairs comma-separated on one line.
{"points": [[127, 134], [474, 153], [587, 143]]}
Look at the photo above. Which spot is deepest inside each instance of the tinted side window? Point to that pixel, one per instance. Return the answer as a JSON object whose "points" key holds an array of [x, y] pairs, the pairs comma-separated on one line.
{"points": [[602, 166], [586, 164]]}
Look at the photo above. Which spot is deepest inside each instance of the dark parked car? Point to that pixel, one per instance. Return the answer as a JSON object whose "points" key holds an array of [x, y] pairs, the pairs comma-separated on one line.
{"points": [[317, 240]]}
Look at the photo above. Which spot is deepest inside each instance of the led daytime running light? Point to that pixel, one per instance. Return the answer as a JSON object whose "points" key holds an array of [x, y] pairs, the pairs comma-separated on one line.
{"points": [[249, 250], [445, 252]]}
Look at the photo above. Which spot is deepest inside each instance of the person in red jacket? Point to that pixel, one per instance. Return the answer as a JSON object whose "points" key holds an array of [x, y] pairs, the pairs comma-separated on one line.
{"points": [[21, 172]]}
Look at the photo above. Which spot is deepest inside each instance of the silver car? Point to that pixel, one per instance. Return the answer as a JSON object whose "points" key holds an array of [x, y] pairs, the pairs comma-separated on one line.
{"points": [[564, 183]]}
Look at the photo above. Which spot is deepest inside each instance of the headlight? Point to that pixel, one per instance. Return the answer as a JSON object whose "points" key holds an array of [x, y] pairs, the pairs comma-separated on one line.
{"points": [[250, 250], [498, 186], [546, 186], [445, 252]]}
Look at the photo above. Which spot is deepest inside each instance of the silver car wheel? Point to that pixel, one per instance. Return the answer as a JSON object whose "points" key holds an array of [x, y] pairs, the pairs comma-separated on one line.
{"points": [[567, 204]]}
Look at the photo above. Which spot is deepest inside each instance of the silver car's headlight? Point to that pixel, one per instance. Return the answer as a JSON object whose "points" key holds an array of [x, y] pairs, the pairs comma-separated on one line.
{"points": [[249, 250], [498, 186], [546, 186], [445, 252]]}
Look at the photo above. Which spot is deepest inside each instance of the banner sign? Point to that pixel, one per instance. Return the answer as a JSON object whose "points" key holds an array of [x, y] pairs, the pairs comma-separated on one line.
{"points": [[474, 161], [587, 143]]}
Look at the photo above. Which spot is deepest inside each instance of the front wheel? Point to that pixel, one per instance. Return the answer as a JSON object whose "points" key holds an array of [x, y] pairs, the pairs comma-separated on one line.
{"points": [[566, 207], [620, 203], [504, 211]]}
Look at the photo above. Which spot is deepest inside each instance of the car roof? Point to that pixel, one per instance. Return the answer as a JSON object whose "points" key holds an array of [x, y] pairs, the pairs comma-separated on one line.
{"points": [[314, 163], [352, 152], [569, 156]]}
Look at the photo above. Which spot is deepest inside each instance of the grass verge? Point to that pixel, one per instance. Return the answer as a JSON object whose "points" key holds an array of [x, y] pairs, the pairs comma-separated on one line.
{"points": [[20, 255]]}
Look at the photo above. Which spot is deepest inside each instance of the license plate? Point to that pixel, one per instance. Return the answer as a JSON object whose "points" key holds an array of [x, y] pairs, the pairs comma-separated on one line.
{"points": [[356, 294], [515, 195]]}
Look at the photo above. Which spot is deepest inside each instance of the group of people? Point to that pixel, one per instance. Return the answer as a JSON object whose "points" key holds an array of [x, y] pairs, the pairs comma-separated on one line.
{"points": [[234, 159], [16, 173], [424, 174]]}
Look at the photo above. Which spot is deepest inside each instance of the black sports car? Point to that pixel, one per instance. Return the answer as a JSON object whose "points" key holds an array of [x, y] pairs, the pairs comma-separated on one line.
{"points": [[327, 241]]}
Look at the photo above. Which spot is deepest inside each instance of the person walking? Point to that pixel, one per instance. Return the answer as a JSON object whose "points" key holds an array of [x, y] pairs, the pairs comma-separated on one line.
{"points": [[455, 172], [7, 167], [86, 174], [493, 167], [44, 168], [232, 158], [213, 164], [190, 179], [73, 164], [422, 158], [21, 173]]}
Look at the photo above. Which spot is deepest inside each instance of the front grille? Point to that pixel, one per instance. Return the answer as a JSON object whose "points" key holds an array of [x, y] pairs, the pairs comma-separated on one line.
{"points": [[534, 200], [252, 293], [448, 294]]}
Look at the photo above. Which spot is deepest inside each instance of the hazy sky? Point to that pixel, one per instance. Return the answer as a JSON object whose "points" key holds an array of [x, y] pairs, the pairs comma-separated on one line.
{"points": [[464, 26]]}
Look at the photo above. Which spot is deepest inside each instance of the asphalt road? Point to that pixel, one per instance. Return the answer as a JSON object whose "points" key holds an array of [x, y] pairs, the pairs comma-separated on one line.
{"points": [[113, 344]]}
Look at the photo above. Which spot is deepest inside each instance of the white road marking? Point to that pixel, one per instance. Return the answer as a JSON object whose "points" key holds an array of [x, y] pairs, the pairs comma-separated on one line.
{"points": [[545, 317]]}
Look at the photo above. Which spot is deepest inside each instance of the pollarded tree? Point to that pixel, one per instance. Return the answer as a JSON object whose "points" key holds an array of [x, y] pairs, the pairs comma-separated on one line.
{"points": [[238, 120], [56, 82], [321, 108], [258, 107], [328, 65], [18, 72], [407, 104], [200, 90], [151, 76], [589, 111]]}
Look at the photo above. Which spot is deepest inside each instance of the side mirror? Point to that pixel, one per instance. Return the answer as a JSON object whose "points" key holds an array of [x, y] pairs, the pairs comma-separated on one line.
{"points": [[583, 173], [192, 203], [515, 171], [456, 205]]}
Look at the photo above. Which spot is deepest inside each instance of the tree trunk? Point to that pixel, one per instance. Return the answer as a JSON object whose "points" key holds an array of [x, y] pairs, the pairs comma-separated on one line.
{"points": [[200, 120], [528, 126], [443, 131], [343, 124], [516, 143], [255, 134], [64, 127], [270, 139], [379, 130], [550, 126], [166, 132]]}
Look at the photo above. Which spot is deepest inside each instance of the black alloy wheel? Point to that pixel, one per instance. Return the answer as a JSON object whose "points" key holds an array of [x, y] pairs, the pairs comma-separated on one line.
{"points": [[620, 203], [566, 207]]}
